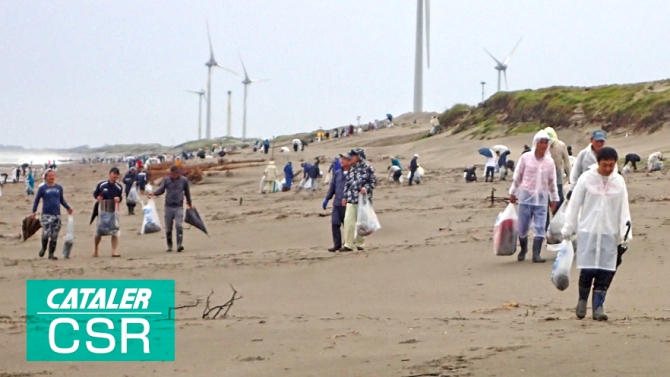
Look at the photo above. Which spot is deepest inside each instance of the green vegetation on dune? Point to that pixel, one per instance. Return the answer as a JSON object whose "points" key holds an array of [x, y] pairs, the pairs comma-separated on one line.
{"points": [[638, 108]]}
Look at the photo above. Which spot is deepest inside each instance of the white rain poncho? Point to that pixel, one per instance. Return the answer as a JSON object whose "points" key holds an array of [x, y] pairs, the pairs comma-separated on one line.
{"points": [[585, 159], [535, 180], [653, 159], [598, 212]]}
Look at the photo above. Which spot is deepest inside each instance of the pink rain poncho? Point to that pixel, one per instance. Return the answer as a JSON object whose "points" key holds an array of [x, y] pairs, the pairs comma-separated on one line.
{"points": [[598, 212], [535, 179]]}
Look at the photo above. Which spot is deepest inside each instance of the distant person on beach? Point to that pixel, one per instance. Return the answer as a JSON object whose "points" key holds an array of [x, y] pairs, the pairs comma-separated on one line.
{"points": [[469, 174], [599, 215], [177, 188], [108, 190], [395, 172], [142, 179], [653, 160], [533, 186], [336, 190], [360, 180], [413, 166], [51, 195], [130, 179], [502, 164], [30, 183], [633, 158], [288, 176], [490, 168], [269, 178]]}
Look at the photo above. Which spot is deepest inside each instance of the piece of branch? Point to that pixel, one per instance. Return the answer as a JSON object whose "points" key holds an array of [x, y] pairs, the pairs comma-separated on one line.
{"points": [[182, 307], [227, 305]]}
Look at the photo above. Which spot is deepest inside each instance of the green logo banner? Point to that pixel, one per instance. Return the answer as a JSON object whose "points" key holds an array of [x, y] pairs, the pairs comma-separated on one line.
{"points": [[100, 320]]}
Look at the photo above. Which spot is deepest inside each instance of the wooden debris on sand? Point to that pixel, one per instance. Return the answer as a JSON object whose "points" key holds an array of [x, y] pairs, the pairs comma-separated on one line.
{"points": [[195, 172]]}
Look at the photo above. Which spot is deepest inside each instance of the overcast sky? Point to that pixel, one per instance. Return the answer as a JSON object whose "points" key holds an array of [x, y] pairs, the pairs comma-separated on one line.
{"points": [[93, 72]]}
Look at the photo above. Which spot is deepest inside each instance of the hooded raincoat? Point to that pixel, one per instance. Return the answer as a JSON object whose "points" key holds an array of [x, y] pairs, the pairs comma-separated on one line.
{"points": [[535, 179], [598, 212]]}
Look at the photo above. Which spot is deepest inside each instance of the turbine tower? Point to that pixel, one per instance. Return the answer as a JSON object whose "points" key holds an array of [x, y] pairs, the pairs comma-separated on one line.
{"points": [[200, 94], [229, 127], [247, 81], [502, 67], [211, 64], [418, 62]]}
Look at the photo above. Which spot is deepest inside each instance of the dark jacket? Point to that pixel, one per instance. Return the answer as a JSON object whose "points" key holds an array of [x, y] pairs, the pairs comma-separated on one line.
{"points": [[306, 170], [361, 175], [52, 198], [176, 191], [288, 175], [337, 187], [129, 179], [413, 165], [108, 191], [502, 160]]}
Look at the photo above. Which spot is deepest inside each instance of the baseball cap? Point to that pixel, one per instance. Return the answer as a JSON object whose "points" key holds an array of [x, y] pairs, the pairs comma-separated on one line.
{"points": [[599, 135], [346, 156]]}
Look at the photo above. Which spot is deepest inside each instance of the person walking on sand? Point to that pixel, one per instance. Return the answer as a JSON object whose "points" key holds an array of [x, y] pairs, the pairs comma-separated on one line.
{"points": [[587, 156], [413, 166], [599, 214], [129, 179], [559, 153], [490, 168], [110, 191], [533, 186], [288, 176], [336, 189], [51, 195], [269, 178], [178, 188], [360, 180]]}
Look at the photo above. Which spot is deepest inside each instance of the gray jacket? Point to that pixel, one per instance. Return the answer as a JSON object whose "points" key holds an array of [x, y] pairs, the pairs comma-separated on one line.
{"points": [[176, 191]]}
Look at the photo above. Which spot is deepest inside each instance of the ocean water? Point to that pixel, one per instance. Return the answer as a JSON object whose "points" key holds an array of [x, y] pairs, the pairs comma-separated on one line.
{"points": [[8, 158]]}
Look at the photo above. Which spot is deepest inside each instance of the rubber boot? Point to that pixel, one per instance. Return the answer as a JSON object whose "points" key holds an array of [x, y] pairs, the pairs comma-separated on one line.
{"points": [[580, 310], [131, 210], [168, 237], [45, 241], [598, 308], [52, 250], [537, 248], [523, 241], [180, 239]]}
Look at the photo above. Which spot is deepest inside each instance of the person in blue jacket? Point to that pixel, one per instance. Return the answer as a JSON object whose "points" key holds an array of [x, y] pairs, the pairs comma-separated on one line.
{"points": [[288, 175], [51, 195], [336, 190]]}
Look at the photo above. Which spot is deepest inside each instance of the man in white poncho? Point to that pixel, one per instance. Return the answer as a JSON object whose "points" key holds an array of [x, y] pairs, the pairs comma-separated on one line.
{"points": [[598, 213], [534, 185]]}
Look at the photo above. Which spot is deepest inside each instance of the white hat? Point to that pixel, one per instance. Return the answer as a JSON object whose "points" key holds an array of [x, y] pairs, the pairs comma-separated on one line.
{"points": [[416, 155]]}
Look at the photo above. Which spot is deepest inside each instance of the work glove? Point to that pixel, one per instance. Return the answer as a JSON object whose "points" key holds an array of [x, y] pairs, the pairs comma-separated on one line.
{"points": [[325, 204], [566, 232], [569, 195]]}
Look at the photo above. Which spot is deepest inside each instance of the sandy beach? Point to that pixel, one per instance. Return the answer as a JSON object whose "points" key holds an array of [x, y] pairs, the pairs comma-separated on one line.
{"points": [[427, 297]]}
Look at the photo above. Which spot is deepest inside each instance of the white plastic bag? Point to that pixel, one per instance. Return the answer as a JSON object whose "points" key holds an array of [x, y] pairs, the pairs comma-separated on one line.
{"points": [[560, 273], [133, 196], [151, 222], [554, 235], [328, 178], [506, 232], [148, 189], [366, 220], [69, 237]]}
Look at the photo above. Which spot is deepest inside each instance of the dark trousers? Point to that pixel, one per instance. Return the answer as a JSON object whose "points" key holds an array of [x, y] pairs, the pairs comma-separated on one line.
{"points": [[411, 176], [337, 219], [561, 198], [397, 175], [599, 279], [490, 170]]}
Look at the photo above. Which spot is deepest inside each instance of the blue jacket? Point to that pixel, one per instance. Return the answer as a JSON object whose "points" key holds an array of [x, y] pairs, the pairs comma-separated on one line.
{"points": [[337, 187], [502, 160], [306, 169], [288, 174]]}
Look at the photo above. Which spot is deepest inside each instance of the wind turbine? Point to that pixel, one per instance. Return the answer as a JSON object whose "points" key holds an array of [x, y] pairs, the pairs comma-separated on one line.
{"points": [[211, 64], [502, 67], [200, 94], [247, 81], [418, 62]]}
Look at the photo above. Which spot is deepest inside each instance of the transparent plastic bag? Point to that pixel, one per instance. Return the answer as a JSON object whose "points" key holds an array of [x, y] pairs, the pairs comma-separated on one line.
{"points": [[506, 232], [560, 273], [108, 219], [366, 220], [554, 235], [133, 196], [69, 237], [151, 222]]}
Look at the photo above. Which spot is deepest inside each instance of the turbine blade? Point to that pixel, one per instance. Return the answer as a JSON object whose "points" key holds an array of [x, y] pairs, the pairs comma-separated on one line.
{"points": [[246, 76], [496, 60], [428, 32], [259, 80], [209, 38], [514, 49], [226, 69], [505, 74], [192, 91]]}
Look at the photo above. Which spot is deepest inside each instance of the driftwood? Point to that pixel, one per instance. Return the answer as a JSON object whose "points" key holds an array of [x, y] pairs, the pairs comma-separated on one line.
{"points": [[194, 172], [170, 310], [227, 305]]}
